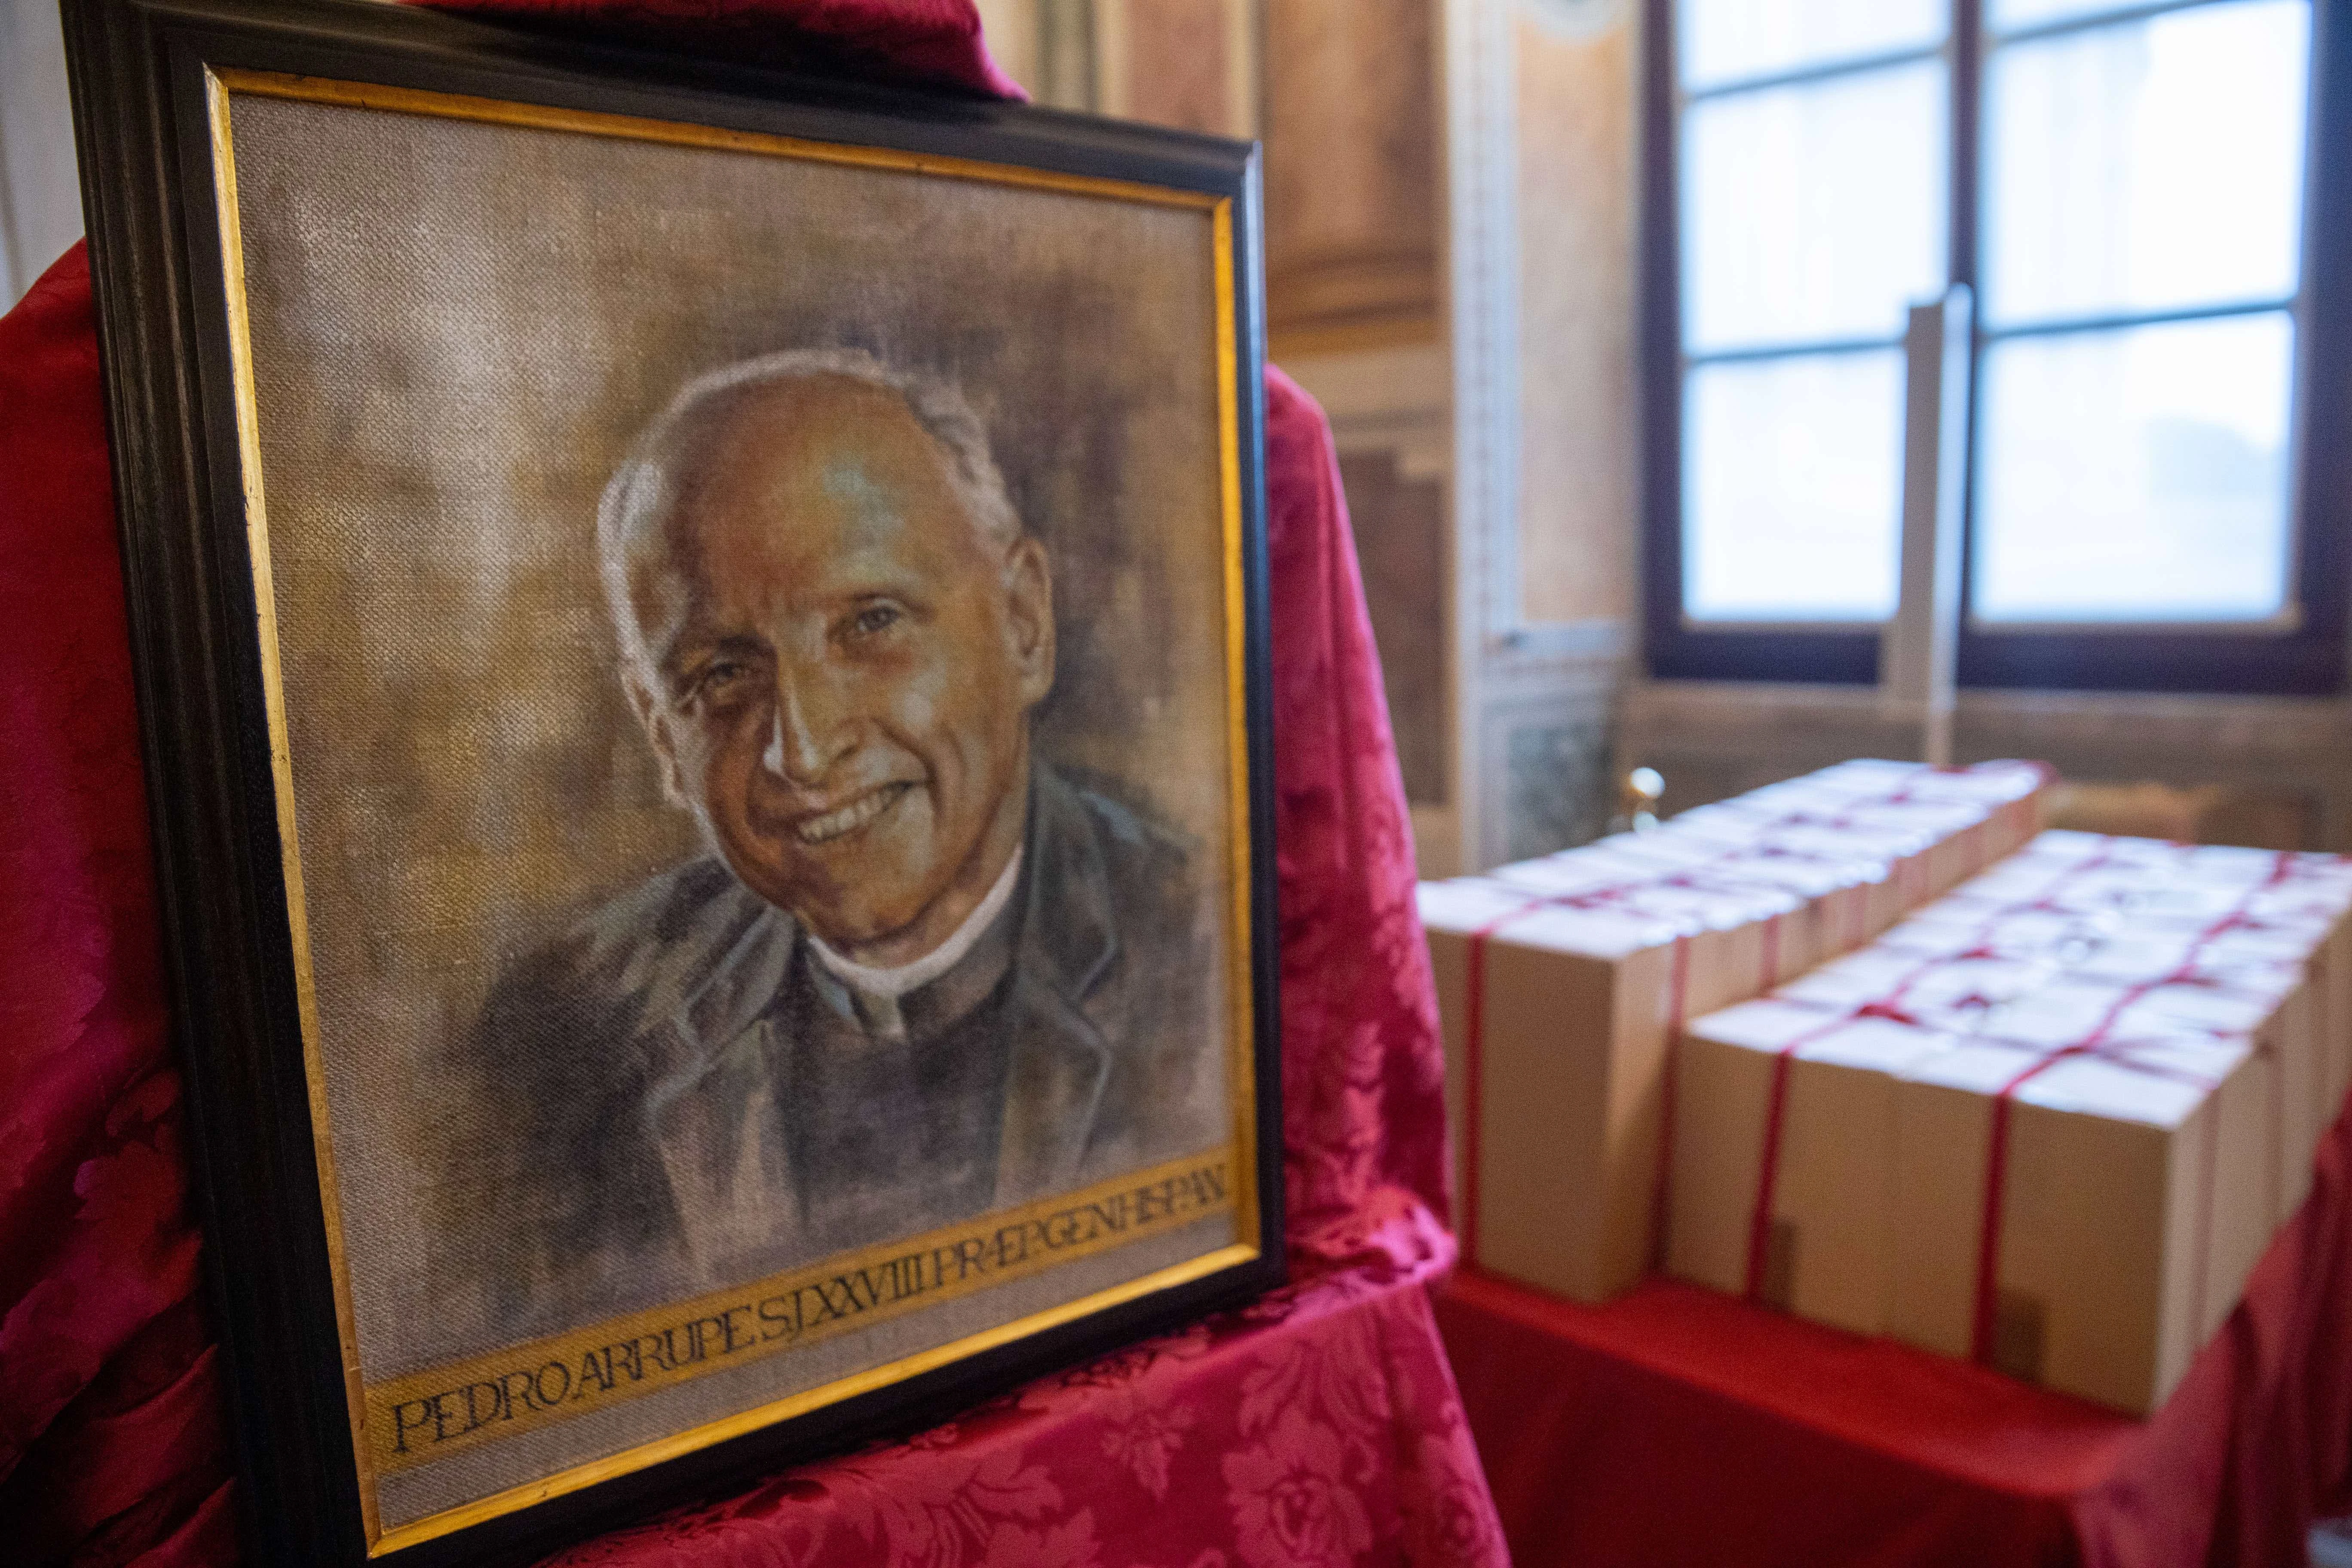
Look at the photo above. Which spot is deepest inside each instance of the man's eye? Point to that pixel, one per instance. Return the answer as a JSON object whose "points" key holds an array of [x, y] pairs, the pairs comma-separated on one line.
{"points": [[874, 618], [719, 677]]}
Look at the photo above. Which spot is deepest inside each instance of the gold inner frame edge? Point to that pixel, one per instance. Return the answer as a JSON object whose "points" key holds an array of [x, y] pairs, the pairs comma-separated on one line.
{"points": [[221, 82]]}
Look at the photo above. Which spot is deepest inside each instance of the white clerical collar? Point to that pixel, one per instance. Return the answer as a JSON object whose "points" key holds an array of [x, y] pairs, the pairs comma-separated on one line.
{"points": [[893, 983]]}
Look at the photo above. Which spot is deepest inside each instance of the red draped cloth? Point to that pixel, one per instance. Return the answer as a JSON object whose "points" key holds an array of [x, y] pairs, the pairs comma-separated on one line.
{"points": [[1318, 1426], [1676, 1426]]}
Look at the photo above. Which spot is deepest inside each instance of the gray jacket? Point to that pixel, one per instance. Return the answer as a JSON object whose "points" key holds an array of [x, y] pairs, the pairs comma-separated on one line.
{"points": [[612, 1072]]}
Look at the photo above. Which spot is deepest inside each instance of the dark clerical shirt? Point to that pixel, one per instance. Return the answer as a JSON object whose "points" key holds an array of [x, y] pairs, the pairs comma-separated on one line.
{"points": [[897, 1104]]}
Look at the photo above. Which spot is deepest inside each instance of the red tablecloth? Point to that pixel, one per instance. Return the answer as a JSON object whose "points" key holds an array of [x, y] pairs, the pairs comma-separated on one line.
{"points": [[1676, 1426], [1319, 1427]]}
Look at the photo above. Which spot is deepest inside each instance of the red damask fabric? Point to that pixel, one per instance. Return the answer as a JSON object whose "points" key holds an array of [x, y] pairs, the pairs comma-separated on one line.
{"points": [[111, 1446], [1320, 1426], [932, 43], [1315, 1428]]}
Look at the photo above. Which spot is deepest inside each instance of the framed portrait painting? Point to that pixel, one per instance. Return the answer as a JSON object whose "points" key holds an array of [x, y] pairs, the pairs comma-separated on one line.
{"points": [[702, 653]]}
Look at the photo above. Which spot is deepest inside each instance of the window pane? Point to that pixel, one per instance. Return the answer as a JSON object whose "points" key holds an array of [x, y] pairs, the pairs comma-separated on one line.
{"points": [[2147, 166], [1723, 40], [2137, 474], [1813, 212], [2002, 15], [2009, 16], [1793, 474]]}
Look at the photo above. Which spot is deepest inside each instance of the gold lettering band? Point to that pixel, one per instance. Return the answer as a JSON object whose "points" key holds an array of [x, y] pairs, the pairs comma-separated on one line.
{"points": [[429, 1415]]}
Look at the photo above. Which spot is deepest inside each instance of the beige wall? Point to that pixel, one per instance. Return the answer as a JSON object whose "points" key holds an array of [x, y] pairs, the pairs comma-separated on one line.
{"points": [[1354, 297], [1011, 27], [1579, 141], [1190, 63], [1422, 239], [1351, 183], [1167, 63]]}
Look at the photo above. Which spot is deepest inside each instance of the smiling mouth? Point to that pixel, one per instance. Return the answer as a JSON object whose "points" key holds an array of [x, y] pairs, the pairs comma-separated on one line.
{"points": [[840, 824]]}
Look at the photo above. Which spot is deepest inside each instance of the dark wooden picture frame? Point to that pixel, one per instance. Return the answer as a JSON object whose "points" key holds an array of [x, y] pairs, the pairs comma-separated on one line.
{"points": [[146, 89]]}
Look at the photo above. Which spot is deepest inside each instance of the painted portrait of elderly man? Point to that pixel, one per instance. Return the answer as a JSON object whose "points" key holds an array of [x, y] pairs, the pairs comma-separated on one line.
{"points": [[920, 971], [771, 757]]}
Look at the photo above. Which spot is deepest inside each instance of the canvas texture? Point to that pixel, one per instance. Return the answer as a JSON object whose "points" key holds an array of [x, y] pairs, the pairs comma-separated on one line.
{"points": [[557, 1029]]}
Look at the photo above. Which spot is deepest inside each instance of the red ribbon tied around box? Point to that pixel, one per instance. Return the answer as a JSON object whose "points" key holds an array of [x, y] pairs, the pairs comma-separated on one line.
{"points": [[1987, 1275], [1887, 1005], [1473, 1030], [1624, 894], [2096, 1042]]}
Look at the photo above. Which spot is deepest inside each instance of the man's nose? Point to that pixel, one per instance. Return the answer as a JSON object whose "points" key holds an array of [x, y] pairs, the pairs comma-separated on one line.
{"points": [[809, 733]]}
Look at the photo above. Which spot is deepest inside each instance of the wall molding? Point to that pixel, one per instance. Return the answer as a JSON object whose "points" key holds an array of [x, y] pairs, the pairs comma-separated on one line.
{"points": [[1717, 737], [1525, 690]]}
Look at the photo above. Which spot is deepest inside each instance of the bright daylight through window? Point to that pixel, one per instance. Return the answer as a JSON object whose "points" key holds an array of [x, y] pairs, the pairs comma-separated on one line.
{"points": [[2138, 192]]}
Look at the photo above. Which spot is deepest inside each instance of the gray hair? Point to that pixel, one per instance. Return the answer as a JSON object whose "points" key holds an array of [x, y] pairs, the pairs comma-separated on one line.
{"points": [[643, 486]]}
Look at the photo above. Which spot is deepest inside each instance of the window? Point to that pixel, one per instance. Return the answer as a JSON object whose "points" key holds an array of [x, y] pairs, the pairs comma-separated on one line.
{"points": [[2153, 499]]}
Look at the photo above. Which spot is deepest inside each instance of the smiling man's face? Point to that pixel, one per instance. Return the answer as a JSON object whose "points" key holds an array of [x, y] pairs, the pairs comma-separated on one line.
{"points": [[843, 663]]}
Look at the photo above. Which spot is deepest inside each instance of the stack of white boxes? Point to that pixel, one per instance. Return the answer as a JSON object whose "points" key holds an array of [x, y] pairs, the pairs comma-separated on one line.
{"points": [[2048, 1123], [1563, 982]]}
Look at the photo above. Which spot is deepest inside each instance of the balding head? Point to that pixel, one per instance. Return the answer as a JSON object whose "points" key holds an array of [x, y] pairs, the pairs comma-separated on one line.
{"points": [[671, 453], [835, 629]]}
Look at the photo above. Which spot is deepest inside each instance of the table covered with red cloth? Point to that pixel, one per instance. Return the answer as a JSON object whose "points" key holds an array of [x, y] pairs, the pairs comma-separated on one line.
{"points": [[1319, 1427], [1676, 1425]]}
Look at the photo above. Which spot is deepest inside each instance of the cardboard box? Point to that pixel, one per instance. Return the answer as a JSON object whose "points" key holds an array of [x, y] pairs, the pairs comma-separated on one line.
{"points": [[2275, 1010], [2217, 919], [1921, 829], [2050, 1122], [1806, 1223], [1832, 1151], [2312, 900], [2131, 1201], [1586, 963], [1558, 1104], [1693, 895]]}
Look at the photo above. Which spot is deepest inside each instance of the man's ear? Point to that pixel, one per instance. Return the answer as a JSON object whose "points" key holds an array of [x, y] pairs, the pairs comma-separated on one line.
{"points": [[654, 716], [1029, 599]]}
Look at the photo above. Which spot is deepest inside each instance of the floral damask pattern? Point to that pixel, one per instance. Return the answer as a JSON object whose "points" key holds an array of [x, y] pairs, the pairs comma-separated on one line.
{"points": [[1320, 1425], [1295, 1504], [953, 1507], [1146, 1443], [112, 1441], [1328, 1433]]}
